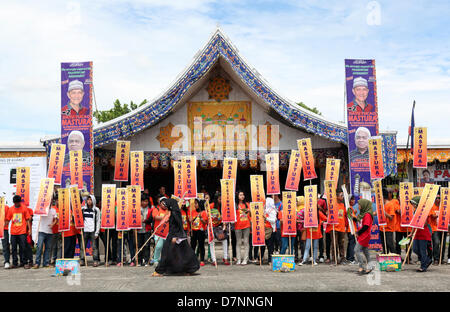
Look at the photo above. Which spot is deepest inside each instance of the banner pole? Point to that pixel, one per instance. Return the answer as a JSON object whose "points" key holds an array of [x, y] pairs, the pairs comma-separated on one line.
{"points": [[260, 262], [406, 248], [121, 257], [230, 248], [334, 245], [409, 248], [385, 245], [137, 246], [289, 237], [312, 248], [107, 247], [63, 245], [442, 242], [153, 234], [84, 248]]}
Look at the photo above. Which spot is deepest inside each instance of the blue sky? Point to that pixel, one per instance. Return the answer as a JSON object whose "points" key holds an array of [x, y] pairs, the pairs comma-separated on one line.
{"points": [[299, 47]]}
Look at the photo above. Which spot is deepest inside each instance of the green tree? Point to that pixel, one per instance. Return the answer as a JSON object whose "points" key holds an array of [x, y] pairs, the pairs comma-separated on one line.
{"points": [[118, 110], [314, 109]]}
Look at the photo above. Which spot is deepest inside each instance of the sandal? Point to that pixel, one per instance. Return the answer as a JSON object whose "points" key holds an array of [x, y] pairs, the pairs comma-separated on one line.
{"points": [[420, 270], [156, 274], [367, 271]]}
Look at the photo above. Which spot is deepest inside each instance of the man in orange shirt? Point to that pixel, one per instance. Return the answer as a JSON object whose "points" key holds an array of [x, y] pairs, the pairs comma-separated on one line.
{"points": [[436, 235], [389, 228], [5, 242], [340, 229], [20, 218]]}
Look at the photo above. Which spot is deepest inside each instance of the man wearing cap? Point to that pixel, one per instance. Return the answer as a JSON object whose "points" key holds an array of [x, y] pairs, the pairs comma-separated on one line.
{"points": [[360, 91], [75, 94], [361, 152]]}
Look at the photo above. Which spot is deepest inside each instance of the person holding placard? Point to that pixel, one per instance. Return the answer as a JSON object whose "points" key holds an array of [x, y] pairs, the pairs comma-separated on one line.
{"points": [[422, 240], [199, 222], [365, 217], [158, 213], [350, 257], [219, 229], [389, 228], [145, 232], [436, 235], [242, 228], [91, 218], [45, 237], [270, 227], [313, 235]]}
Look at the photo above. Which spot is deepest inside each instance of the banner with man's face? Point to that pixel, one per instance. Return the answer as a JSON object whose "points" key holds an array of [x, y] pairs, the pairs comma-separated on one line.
{"points": [[76, 119], [362, 118]]}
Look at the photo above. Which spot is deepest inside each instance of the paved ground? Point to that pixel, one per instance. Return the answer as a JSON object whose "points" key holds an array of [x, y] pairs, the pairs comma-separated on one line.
{"points": [[250, 278]]}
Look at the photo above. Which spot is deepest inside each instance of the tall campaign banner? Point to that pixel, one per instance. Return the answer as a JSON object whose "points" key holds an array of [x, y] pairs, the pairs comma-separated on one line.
{"points": [[379, 201], [122, 161], [2, 216], [77, 211], [333, 211], [257, 188], [444, 210], [258, 230], [376, 158], [134, 207], [289, 213], [228, 204], [137, 168], [189, 167], [122, 208], [76, 169], [108, 206], [425, 204], [76, 121], [64, 209], [44, 197], [272, 174], [178, 188], [310, 219], [362, 118], [23, 184], [294, 171], [56, 162], [209, 228], [332, 170], [305, 148], [406, 210], [420, 147], [230, 169]]}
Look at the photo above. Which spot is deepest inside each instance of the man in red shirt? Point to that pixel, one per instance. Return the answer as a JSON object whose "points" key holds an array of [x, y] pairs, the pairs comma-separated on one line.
{"points": [[75, 94], [20, 219], [421, 241], [5, 242]]}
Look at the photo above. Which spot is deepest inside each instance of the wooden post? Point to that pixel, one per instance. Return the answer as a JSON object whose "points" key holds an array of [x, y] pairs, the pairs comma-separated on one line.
{"points": [[121, 257], [442, 242], [62, 245], [312, 248], [260, 262], [84, 248], [409, 248], [385, 245], [406, 248], [230, 248], [107, 247], [289, 238], [334, 245], [137, 246]]}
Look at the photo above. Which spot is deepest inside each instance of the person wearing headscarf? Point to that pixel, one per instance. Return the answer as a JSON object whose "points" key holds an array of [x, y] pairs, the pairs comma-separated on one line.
{"points": [[422, 241], [365, 217], [177, 257]]}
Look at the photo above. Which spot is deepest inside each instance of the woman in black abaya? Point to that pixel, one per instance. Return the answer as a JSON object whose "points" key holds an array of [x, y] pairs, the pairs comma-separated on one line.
{"points": [[176, 255]]}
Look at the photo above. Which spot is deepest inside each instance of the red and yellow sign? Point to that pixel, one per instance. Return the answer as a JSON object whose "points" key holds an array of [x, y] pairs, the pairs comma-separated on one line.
{"points": [[376, 158], [2, 216], [406, 210], [257, 188], [333, 211], [210, 225], [332, 170], [311, 206], [108, 206], [122, 210], [444, 210], [294, 171], [228, 209], [137, 168], [178, 188], [230, 169], [56, 163], [305, 148], [272, 171], [122, 161], [420, 147], [163, 229], [418, 191], [189, 168], [134, 207], [64, 209], [258, 231], [23, 184], [426, 203], [76, 207], [76, 168], [45, 197], [289, 213], [379, 201]]}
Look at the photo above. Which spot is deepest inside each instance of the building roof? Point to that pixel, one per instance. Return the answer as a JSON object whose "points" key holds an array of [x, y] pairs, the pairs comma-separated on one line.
{"points": [[22, 147]]}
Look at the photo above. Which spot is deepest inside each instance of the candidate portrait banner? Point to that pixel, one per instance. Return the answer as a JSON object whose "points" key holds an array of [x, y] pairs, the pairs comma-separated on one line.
{"points": [[379, 201], [362, 118], [56, 162], [76, 121], [310, 219], [45, 197], [376, 158], [122, 161], [420, 147], [406, 210], [23, 184], [272, 174], [76, 169], [332, 170], [426, 202], [108, 206], [77, 211], [257, 188], [305, 148], [137, 168], [228, 205], [134, 207], [258, 229], [64, 209], [289, 213], [178, 188], [444, 210], [2, 216], [189, 167], [333, 211], [122, 210], [294, 171]]}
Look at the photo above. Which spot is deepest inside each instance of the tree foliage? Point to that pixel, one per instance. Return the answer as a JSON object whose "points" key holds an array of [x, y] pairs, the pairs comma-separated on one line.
{"points": [[118, 110], [314, 109]]}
